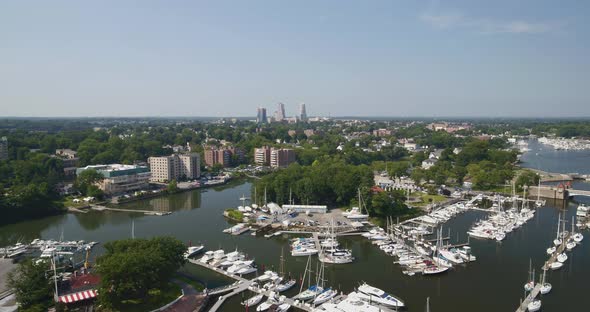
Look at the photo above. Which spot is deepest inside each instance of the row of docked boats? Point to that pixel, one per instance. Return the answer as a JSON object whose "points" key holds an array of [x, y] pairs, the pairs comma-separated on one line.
{"points": [[501, 222], [564, 241], [47, 248], [445, 214], [234, 263]]}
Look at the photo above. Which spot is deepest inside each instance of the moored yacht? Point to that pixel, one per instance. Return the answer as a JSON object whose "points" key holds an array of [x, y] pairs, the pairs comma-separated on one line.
{"points": [[376, 295]]}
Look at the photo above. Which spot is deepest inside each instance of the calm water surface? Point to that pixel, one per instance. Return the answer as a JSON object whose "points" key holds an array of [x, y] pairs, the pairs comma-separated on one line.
{"points": [[493, 283]]}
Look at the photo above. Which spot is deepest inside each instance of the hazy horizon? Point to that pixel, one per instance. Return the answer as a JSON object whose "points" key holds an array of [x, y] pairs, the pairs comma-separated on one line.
{"points": [[392, 59]]}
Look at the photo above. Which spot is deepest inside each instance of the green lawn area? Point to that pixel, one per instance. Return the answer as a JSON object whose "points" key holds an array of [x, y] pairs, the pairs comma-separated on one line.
{"points": [[196, 285], [426, 199], [155, 299], [69, 202]]}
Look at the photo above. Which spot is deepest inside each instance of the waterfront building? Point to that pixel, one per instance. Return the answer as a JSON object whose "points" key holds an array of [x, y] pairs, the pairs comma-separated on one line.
{"points": [[175, 167], [261, 115], [262, 156], [69, 160], [3, 148], [225, 156], [119, 178], [282, 157], [302, 112]]}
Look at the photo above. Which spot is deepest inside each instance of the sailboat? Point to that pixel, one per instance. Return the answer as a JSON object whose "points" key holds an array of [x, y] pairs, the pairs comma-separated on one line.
{"points": [[534, 306], [571, 244], [334, 255], [356, 213], [327, 294], [289, 283], [557, 241], [545, 287], [538, 202], [312, 290], [577, 236], [530, 285], [253, 300]]}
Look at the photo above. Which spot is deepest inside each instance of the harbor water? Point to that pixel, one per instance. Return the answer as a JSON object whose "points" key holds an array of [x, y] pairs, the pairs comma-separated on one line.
{"points": [[493, 283]]}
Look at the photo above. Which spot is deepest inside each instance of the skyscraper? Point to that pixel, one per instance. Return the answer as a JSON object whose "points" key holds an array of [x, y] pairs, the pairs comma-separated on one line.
{"points": [[261, 115], [302, 112], [280, 114]]}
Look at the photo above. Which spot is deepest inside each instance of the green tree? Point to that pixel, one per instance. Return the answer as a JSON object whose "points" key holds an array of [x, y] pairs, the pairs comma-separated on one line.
{"points": [[172, 186], [31, 285], [130, 268], [86, 182]]}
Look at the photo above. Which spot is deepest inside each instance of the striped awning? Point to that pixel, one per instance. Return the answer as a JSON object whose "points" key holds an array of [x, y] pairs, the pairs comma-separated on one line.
{"points": [[82, 295]]}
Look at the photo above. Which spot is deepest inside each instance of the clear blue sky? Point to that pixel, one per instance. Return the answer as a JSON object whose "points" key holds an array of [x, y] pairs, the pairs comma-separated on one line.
{"points": [[340, 57]]}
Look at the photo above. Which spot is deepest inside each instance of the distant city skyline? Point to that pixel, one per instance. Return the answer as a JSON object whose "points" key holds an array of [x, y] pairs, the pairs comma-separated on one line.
{"points": [[342, 58]]}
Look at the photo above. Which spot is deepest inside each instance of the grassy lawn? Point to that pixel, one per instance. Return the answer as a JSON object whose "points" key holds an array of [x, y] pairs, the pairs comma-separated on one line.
{"points": [[426, 199], [154, 300], [69, 202], [196, 285]]}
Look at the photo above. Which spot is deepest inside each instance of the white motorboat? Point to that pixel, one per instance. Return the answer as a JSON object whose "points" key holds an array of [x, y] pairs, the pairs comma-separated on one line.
{"points": [[376, 295], [303, 251], [570, 245], [207, 257], [238, 265], [193, 250], [535, 305], [578, 237], [246, 270], [286, 285], [551, 250], [265, 305], [283, 307], [562, 257], [353, 303], [253, 301], [325, 296], [268, 275], [433, 269], [545, 288], [556, 265]]}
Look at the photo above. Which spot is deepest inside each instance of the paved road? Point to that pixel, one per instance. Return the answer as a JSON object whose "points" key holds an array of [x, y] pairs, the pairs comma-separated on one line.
{"points": [[191, 301], [6, 266]]}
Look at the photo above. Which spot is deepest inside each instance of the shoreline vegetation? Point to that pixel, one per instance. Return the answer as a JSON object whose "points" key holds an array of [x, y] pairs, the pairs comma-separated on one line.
{"points": [[33, 177]]}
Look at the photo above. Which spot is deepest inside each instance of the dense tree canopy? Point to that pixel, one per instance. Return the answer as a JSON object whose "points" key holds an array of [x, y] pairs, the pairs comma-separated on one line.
{"points": [[130, 268], [31, 285]]}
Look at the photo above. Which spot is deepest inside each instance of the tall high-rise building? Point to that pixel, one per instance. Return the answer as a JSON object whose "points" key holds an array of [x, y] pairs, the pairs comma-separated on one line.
{"points": [[302, 112], [262, 156], [3, 148], [261, 115], [280, 113], [281, 158], [167, 168]]}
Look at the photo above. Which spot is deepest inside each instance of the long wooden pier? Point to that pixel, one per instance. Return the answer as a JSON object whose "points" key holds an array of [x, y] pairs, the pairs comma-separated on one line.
{"points": [[103, 208], [242, 285], [559, 250], [532, 295]]}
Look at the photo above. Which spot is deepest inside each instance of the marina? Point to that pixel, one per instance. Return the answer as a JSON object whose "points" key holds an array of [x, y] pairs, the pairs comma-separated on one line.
{"points": [[198, 216]]}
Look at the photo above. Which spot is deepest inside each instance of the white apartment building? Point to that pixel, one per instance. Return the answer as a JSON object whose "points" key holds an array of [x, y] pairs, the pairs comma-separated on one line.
{"points": [[167, 168]]}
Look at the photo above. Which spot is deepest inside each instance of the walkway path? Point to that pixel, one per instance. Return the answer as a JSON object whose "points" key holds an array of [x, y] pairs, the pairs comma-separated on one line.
{"points": [[191, 301]]}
